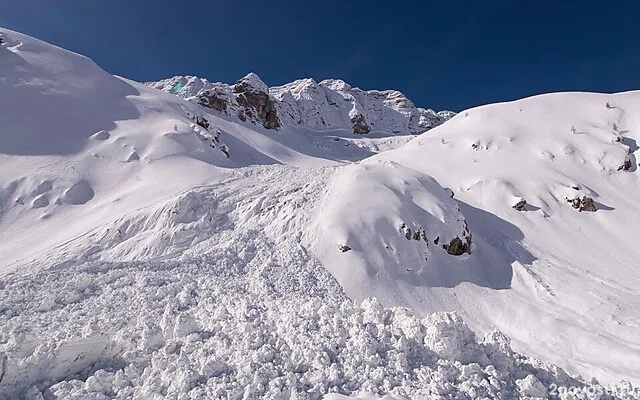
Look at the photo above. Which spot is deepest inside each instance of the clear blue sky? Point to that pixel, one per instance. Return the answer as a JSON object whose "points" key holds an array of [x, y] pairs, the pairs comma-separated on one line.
{"points": [[443, 54]]}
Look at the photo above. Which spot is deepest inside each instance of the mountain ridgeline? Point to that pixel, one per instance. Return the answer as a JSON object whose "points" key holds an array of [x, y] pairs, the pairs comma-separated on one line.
{"points": [[328, 105]]}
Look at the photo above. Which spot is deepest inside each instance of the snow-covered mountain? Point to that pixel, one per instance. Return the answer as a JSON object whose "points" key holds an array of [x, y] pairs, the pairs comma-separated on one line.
{"points": [[155, 247], [328, 105], [549, 187]]}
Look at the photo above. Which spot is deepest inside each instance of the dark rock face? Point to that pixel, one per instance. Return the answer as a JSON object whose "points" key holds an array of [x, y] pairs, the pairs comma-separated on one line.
{"points": [[626, 166], [344, 248], [584, 204], [360, 126], [575, 203], [213, 100], [520, 206], [587, 204], [203, 122], [257, 104], [457, 247]]}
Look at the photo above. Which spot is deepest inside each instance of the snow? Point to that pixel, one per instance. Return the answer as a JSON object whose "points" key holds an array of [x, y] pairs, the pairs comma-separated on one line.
{"points": [[395, 221], [328, 105], [154, 248], [566, 279]]}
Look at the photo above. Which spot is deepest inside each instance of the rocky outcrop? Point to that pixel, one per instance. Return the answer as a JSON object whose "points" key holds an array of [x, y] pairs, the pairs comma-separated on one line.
{"points": [[456, 247], [252, 94], [214, 99], [329, 104], [626, 166], [584, 204], [587, 204], [360, 126], [520, 205]]}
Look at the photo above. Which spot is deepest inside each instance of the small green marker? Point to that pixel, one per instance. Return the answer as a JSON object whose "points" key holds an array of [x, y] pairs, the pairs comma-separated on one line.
{"points": [[177, 87]]}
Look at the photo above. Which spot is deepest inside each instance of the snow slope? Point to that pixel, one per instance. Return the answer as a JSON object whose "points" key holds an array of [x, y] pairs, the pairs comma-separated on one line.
{"points": [[154, 248], [74, 135], [562, 284]]}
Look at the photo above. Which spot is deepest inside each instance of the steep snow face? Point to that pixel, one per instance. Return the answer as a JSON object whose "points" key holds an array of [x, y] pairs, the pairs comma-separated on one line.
{"points": [[328, 105], [555, 276]]}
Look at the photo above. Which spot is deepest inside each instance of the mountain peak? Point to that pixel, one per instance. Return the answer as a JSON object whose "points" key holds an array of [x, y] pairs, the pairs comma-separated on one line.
{"points": [[329, 105], [251, 81]]}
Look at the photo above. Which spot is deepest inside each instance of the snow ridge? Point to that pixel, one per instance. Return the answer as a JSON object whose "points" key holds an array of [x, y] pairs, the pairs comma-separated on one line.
{"points": [[328, 105]]}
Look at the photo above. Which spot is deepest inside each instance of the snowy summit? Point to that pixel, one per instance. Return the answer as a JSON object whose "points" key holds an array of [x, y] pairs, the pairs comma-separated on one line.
{"points": [[330, 104], [193, 240]]}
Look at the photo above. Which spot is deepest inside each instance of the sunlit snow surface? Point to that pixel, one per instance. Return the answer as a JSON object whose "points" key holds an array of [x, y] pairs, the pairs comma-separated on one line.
{"points": [[139, 261]]}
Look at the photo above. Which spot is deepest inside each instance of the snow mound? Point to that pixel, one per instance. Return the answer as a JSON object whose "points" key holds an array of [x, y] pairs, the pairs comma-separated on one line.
{"points": [[328, 105], [383, 221]]}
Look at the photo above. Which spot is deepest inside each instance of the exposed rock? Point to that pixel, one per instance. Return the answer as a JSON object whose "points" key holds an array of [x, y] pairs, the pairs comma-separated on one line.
{"points": [[457, 246], [225, 150], [213, 99], [252, 94], [436, 240], [587, 204], [203, 122], [626, 166], [360, 126], [584, 204], [407, 234], [344, 248], [520, 205], [575, 203]]}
